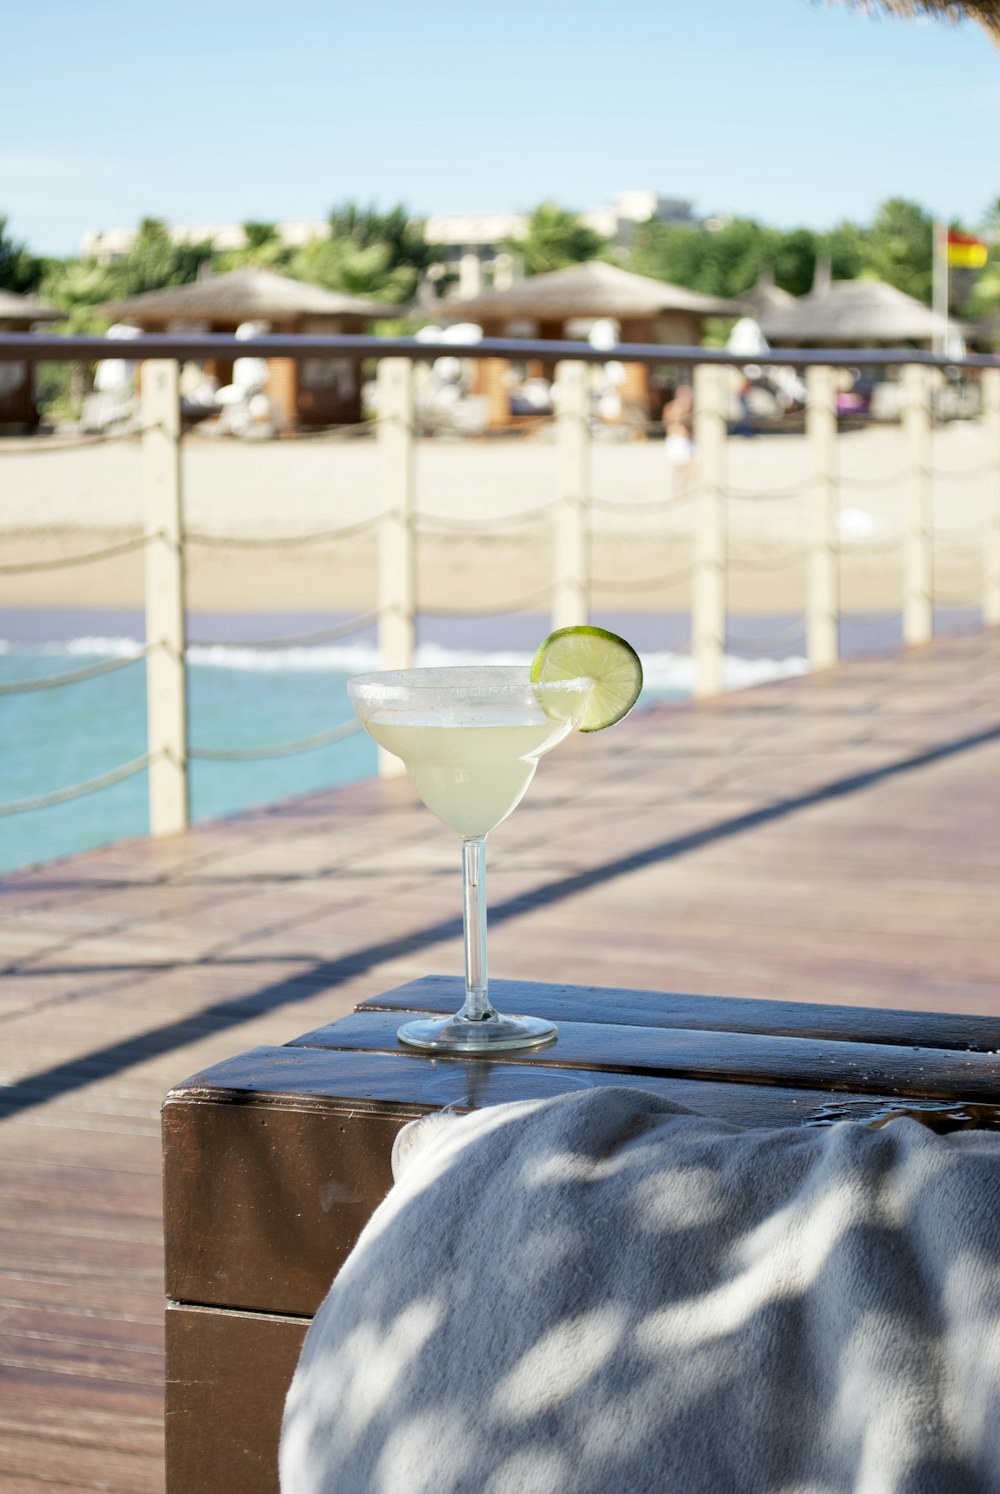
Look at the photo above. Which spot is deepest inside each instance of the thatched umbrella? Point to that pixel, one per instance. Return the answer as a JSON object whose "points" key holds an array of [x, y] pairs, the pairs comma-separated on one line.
{"points": [[853, 313], [311, 391], [986, 12], [17, 393], [765, 297], [247, 295], [645, 310], [20, 312]]}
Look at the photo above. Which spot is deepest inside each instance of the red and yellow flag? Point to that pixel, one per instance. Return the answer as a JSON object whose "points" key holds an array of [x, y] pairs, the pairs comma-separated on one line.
{"points": [[965, 251]]}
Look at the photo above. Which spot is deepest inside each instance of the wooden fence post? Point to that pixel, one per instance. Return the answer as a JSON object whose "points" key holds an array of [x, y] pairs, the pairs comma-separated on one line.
{"points": [[918, 541], [991, 540], [396, 541], [708, 616], [570, 546], [823, 601], [166, 674]]}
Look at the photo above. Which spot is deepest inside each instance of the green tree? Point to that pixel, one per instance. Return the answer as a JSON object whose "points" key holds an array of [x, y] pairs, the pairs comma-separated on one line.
{"points": [[729, 260], [263, 249], [79, 286], [367, 253], [553, 239], [155, 261], [341, 264], [258, 235], [20, 270], [395, 231], [899, 248], [844, 246], [724, 261]]}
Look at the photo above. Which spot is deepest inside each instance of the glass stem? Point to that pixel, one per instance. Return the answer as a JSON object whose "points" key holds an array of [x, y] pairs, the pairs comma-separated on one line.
{"points": [[477, 1006]]}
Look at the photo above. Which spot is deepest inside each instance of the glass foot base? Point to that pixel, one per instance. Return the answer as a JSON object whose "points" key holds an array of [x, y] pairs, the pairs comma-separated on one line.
{"points": [[495, 1034]]}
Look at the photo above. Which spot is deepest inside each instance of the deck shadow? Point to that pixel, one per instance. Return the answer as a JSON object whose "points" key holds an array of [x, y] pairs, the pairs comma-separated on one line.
{"points": [[62, 1079]]}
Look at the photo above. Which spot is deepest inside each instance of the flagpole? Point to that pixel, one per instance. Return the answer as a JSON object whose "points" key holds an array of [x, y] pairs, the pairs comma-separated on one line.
{"points": [[940, 285]]}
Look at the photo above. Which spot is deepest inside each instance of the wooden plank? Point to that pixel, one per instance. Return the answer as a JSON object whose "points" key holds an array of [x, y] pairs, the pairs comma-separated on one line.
{"points": [[678, 851], [437, 993], [223, 1428], [748, 1057], [275, 1159], [77, 1467]]}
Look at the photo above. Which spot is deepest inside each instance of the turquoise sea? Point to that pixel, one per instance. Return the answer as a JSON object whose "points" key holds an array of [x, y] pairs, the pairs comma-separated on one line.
{"points": [[243, 694], [58, 737]]}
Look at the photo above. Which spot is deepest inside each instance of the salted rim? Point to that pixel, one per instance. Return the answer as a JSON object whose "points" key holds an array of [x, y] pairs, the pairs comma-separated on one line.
{"points": [[492, 681]]}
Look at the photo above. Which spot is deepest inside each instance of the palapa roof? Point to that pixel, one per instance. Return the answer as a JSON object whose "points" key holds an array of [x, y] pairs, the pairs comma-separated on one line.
{"points": [[26, 309], [593, 289], [853, 312], [766, 297], [245, 295], [986, 12]]}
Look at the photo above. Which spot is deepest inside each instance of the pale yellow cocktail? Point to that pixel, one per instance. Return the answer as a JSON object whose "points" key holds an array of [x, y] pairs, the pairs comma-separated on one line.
{"points": [[471, 738], [473, 771]]}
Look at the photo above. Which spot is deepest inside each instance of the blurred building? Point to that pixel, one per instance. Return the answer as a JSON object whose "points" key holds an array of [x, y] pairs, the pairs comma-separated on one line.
{"points": [[472, 244]]}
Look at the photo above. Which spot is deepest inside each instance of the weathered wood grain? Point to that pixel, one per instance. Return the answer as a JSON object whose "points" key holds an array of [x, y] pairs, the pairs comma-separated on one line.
{"points": [[830, 840]]}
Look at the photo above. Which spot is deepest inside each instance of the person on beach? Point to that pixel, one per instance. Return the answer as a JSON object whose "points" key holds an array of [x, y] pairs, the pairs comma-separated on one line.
{"points": [[678, 422]]}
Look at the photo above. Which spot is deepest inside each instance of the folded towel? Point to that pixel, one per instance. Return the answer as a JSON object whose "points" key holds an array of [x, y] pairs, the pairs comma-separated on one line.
{"points": [[607, 1294]]}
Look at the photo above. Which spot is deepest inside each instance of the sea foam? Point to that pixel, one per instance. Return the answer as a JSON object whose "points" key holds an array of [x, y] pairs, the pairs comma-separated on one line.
{"points": [[664, 671]]}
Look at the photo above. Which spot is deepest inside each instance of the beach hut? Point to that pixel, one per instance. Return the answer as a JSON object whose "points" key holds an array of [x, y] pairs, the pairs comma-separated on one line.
{"points": [[565, 303], [310, 391], [17, 386], [765, 297], [856, 314]]}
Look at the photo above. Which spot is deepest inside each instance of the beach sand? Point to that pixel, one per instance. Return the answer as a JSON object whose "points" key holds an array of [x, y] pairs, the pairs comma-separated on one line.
{"points": [[60, 499]]}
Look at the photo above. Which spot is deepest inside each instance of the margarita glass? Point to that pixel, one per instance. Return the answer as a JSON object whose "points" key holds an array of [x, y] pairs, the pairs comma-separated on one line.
{"points": [[471, 738]]}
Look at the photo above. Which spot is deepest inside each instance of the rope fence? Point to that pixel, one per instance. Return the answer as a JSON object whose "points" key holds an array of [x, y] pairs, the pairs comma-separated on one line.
{"points": [[282, 541], [497, 609], [858, 481], [277, 749], [86, 557], [975, 474], [578, 522], [791, 634], [535, 515], [768, 562], [52, 446], [294, 640], [75, 676], [859, 549], [78, 790], [769, 495], [647, 505], [643, 583]]}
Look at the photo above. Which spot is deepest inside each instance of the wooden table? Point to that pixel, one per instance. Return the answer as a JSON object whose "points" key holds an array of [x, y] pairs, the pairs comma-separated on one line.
{"points": [[274, 1160]]}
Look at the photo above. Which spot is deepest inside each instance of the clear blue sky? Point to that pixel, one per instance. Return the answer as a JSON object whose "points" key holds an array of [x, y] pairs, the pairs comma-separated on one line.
{"points": [[788, 110]]}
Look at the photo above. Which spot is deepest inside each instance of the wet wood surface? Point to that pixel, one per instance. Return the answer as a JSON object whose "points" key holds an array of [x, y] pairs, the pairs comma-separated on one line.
{"points": [[831, 841]]}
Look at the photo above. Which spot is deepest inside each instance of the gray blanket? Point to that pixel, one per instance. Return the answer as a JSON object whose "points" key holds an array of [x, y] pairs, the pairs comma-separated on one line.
{"points": [[606, 1294]]}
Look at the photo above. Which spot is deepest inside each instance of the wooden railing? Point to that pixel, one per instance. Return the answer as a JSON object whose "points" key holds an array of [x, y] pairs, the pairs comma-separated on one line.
{"points": [[165, 541]]}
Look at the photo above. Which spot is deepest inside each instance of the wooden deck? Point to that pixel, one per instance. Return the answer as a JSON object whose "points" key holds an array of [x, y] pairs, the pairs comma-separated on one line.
{"points": [[835, 838]]}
